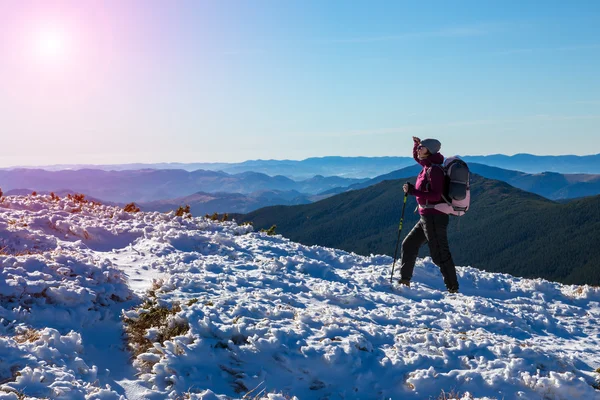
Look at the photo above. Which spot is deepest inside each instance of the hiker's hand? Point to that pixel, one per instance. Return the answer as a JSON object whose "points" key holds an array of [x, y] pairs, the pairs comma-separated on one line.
{"points": [[408, 188], [416, 140]]}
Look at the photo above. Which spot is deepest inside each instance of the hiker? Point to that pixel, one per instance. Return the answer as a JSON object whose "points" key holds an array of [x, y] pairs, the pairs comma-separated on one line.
{"points": [[433, 224]]}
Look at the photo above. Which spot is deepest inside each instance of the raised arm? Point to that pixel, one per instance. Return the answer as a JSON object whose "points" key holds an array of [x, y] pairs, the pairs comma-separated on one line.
{"points": [[416, 143]]}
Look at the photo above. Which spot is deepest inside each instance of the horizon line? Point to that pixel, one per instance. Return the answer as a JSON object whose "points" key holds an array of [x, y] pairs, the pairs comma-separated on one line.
{"points": [[28, 166]]}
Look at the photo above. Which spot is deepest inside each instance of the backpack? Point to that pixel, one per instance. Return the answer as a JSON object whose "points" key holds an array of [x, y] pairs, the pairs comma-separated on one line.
{"points": [[457, 187]]}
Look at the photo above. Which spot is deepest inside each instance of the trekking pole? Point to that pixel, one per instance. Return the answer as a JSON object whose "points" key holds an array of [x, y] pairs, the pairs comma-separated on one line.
{"points": [[399, 233]]}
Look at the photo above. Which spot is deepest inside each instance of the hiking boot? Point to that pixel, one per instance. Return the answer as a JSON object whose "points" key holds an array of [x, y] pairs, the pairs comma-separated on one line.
{"points": [[405, 282]]}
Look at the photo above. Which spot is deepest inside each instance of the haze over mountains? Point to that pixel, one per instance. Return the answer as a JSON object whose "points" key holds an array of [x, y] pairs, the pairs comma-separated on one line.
{"points": [[216, 191], [360, 167], [150, 185], [349, 167]]}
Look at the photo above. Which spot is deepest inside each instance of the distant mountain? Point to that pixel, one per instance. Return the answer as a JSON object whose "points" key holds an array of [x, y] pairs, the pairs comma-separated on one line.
{"points": [[127, 167], [506, 230], [408, 171], [363, 167], [209, 203], [150, 185], [347, 167], [533, 164], [551, 185]]}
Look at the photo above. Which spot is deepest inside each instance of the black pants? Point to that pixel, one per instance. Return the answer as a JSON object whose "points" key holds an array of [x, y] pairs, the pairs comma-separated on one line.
{"points": [[432, 229]]}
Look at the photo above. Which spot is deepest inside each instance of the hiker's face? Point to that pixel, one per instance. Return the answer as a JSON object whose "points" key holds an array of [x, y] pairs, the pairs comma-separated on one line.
{"points": [[422, 152]]}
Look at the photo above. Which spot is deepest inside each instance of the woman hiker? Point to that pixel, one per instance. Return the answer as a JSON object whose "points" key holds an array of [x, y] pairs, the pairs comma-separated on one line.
{"points": [[433, 224]]}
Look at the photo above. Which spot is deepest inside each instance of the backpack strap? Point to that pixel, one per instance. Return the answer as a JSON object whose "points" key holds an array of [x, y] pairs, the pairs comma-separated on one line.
{"points": [[428, 174]]}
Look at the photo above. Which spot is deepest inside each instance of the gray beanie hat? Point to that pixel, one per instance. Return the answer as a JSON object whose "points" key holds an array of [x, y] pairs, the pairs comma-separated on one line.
{"points": [[433, 145]]}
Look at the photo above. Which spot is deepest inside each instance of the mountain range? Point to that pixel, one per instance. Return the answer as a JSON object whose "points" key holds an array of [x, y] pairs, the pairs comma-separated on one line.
{"points": [[506, 230], [215, 191], [362, 167], [208, 203], [533, 164], [349, 167], [551, 185], [151, 185]]}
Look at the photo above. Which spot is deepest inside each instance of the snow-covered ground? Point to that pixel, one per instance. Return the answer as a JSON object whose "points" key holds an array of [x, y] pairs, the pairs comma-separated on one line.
{"points": [[213, 310]]}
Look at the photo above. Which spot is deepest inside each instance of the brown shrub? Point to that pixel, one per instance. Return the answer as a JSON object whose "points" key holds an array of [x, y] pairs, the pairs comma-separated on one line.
{"points": [[183, 211], [131, 208]]}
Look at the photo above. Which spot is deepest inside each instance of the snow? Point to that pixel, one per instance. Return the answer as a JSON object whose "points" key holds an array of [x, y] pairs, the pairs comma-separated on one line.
{"points": [[230, 313]]}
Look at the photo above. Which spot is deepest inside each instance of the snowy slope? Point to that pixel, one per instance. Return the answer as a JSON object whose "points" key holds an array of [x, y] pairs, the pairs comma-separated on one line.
{"points": [[213, 310]]}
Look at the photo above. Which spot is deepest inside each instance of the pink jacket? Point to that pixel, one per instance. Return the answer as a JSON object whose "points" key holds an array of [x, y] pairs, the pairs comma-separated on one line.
{"points": [[433, 194]]}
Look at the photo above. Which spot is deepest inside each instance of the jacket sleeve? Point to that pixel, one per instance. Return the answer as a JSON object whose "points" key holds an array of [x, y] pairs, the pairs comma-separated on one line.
{"points": [[416, 155], [436, 186]]}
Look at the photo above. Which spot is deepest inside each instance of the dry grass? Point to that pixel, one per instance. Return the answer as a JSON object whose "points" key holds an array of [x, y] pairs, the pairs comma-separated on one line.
{"points": [[215, 217], [77, 198], [191, 302], [80, 198], [270, 231], [255, 394], [20, 223], [184, 212], [156, 284], [30, 336], [596, 385], [5, 251], [131, 208], [156, 317], [184, 396], [450, 395]]}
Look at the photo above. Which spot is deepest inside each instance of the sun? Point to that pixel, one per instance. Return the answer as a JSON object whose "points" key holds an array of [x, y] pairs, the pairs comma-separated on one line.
{"points": [[51, 45]]}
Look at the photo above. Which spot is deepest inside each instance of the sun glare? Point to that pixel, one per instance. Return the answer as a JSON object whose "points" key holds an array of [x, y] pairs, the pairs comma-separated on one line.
{"points": [[51, 45]]}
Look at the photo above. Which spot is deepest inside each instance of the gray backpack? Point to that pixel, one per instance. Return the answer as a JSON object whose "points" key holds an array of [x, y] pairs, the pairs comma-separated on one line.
{"points": [[456, 195]]}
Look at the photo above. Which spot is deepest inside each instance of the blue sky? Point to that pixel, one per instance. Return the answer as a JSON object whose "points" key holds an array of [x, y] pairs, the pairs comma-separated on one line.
{"points": [[153, 81]]}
